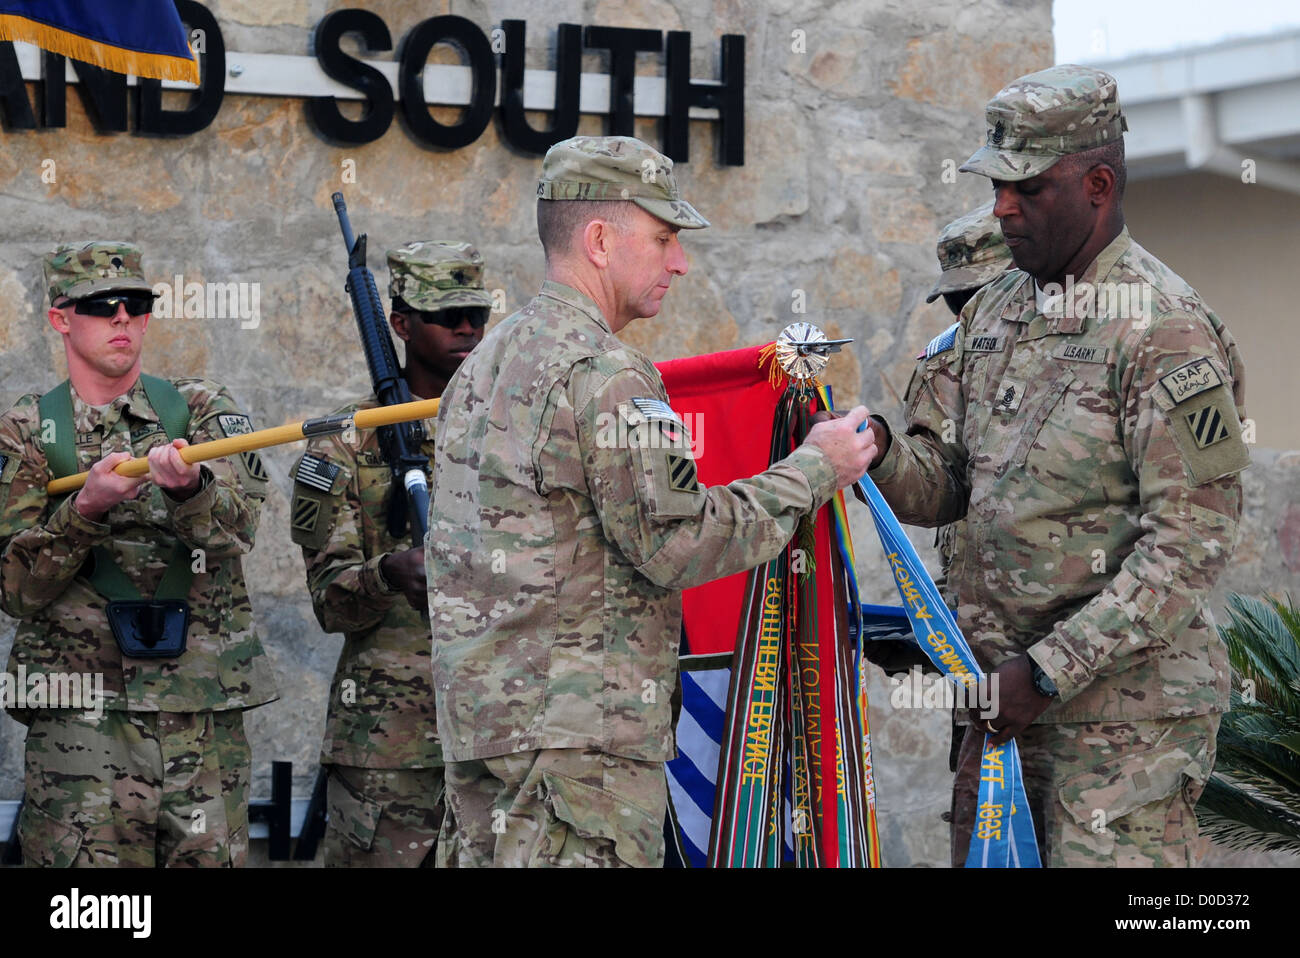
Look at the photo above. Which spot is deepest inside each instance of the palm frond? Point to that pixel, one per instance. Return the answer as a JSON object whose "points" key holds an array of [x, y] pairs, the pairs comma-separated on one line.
{"points": [[1253, 798], [1234, 817]]}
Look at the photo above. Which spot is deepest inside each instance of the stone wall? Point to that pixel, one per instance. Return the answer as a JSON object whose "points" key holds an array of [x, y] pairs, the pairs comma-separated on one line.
{"points": [[855, 110]]}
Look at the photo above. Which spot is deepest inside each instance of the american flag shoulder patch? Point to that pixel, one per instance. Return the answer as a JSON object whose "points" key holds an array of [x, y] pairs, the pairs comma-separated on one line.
{"points": [[944, 341], [316, 472], [657, 409]]}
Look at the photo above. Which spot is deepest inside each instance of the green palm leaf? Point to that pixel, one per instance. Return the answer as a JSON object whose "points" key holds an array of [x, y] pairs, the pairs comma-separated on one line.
{"points": [[1253, 798]]}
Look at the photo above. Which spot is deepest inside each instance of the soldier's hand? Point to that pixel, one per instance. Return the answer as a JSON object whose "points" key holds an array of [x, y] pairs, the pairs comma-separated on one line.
{"points": [[104, 488], [851, 452], [167, 469], [1018, 702], [405, 571]]}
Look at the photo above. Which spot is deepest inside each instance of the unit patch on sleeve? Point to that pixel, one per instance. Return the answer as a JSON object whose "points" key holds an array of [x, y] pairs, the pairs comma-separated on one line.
{"points": [[306, 512], [1190, 379], [237, 424], [681, 473], [1207, 426], [316, 472]]}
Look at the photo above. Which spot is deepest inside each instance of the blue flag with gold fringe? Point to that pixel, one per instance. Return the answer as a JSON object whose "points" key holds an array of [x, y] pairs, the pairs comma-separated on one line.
{"points": [[144, 38]]}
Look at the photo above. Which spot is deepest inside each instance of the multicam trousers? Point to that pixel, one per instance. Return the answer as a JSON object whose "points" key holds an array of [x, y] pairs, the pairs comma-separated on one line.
{"points": [[555, 807], [1103, 794], [136, 789], [383, 817]]}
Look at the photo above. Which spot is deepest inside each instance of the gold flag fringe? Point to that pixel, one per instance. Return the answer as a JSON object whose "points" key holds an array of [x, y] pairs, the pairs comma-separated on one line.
{"points": [[156, 66]]}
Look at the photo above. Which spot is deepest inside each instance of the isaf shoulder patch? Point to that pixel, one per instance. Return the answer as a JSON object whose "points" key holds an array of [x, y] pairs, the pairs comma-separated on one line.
{"points": [[237, 424], [1197, 399], [234, 424], [1191, 379]]}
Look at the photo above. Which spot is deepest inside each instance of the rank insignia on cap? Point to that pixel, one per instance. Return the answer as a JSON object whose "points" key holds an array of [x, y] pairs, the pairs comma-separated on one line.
{"points": [[999, 131], [657, 409], [316, 472], [681, 474], [306, 511], [1207, 426]]}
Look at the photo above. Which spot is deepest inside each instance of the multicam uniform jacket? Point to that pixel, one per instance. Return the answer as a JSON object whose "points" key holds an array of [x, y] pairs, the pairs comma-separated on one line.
{"points": [[381, 711], [566, 515], [46, 542], [1094, 455]]}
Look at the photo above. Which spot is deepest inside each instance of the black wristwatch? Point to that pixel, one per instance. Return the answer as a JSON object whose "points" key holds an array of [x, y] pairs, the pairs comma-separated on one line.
{"points": [[1042, 684]]}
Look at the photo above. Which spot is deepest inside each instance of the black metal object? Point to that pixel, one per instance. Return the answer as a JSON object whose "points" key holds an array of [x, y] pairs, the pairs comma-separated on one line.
{"points": [[313, 826], [276, 813], [400, 442]]}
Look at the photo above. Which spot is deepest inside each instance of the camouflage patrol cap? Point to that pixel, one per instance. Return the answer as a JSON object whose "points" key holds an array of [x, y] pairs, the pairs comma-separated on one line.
{"points": [[616, 168], [76, 271], [1039, 118], [431, 275], [972, 252]]}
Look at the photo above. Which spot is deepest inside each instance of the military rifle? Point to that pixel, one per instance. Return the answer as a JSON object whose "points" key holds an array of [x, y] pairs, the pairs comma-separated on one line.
{"points": [[399, 444]]}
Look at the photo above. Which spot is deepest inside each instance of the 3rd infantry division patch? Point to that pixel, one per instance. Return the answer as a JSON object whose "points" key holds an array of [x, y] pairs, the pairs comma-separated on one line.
{"points": [[305, 513], [681, 473], [1207, 426]]}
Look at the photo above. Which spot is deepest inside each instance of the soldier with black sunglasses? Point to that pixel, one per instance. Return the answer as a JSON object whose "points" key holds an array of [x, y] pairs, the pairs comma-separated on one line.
{"points": [[381, 746], [135, 580]]}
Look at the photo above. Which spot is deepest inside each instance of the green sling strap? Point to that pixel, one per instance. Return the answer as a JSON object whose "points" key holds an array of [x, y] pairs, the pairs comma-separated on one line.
{"points": [[174, 413]]}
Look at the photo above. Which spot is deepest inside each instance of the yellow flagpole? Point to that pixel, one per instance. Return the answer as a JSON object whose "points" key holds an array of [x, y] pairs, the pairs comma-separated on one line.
{"points": [[274, 436]]}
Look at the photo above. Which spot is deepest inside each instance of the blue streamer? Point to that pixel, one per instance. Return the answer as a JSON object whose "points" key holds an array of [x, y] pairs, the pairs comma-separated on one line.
{"points": [[1004, 828]]}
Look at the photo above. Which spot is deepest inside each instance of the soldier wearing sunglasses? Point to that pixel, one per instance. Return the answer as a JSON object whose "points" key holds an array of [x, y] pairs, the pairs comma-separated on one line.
{"points": [[135, 580], [386, 778]]}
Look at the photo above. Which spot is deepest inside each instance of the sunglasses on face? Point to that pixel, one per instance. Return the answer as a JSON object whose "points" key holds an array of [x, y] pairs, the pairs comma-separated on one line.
{"points": [[451, 318], [105, 307]]}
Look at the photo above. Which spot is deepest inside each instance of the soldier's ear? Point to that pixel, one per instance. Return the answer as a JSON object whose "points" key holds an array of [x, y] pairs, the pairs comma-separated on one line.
{"points": [[1100, 183], [401, 325], [58, 321]]}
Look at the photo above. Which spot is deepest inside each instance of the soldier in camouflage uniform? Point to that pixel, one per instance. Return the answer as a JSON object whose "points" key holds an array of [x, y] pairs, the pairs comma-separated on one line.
{"points": [[160, 775], [1096, 401], [381, 743], [566, 516], [972, 253]]}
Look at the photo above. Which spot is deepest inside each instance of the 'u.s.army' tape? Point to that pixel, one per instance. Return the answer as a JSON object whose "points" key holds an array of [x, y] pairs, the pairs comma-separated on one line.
{"points": [[1001, 839]]}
